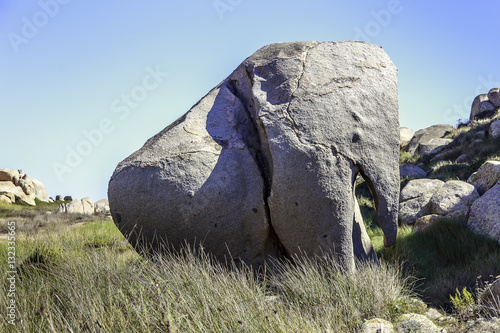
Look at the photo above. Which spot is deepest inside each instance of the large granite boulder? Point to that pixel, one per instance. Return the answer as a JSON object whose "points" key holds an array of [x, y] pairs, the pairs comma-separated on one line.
{"points": [[485, 214], [264, 164]]}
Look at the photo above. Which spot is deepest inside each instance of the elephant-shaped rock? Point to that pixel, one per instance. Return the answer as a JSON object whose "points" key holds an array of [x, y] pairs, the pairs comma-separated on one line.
{"points": [[265, 164]]}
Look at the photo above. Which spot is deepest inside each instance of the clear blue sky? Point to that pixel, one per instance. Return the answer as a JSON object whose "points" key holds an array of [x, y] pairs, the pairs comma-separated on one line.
{"points": [[83, 84]]}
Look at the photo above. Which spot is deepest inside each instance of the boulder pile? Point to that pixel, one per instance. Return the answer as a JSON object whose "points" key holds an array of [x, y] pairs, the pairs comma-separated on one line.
{"points": [[485, 105], [16, 186], [84, 206]]}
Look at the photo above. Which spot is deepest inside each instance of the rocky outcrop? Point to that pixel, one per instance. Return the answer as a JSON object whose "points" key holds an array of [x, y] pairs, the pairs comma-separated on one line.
{"points": [[485, 214], [494, 97], [264, 165], [484, 105], [21, 188], [485, 177], [420, 199], [83, 206], [429, 140]]}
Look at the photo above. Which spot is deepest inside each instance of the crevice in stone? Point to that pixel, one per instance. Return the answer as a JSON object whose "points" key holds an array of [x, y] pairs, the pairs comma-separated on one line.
{"points": [[256, 149], [293, 123]]}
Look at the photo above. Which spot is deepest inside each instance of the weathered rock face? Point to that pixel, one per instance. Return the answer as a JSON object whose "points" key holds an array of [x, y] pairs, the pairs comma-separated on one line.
{"points": [[429, 140], [265, 164], [485, 214]]}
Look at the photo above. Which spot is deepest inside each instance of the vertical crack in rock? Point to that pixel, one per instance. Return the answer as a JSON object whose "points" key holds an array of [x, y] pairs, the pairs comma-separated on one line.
{"points": [[256, 148], [293, 123]]}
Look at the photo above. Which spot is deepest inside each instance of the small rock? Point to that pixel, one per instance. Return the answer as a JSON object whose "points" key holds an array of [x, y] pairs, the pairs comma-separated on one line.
{"points": [[494, 97], [48, 213], [411, 171], [59, 198], [377, 325], [494, 131], [415, 323], [480, 135], [462, 158], [477, 142], [68, 198], [485, 177]]}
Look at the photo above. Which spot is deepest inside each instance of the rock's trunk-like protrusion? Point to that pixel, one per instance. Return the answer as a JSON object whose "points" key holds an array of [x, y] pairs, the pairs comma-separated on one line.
{"points": [[265, 164]]}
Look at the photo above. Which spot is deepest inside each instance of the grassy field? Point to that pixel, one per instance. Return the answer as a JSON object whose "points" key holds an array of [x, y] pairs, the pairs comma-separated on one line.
{"points": [[78, 274]]}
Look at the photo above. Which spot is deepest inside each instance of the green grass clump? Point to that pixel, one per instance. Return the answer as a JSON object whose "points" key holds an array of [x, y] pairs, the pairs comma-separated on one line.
{"points": [[444, 256], [407, 158]]}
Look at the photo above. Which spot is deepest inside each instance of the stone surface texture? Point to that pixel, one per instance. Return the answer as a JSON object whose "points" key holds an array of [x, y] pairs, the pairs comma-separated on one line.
{"points": [[485, 214], [264, 164], [429, 140], [486, 176], [454, 196]]}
